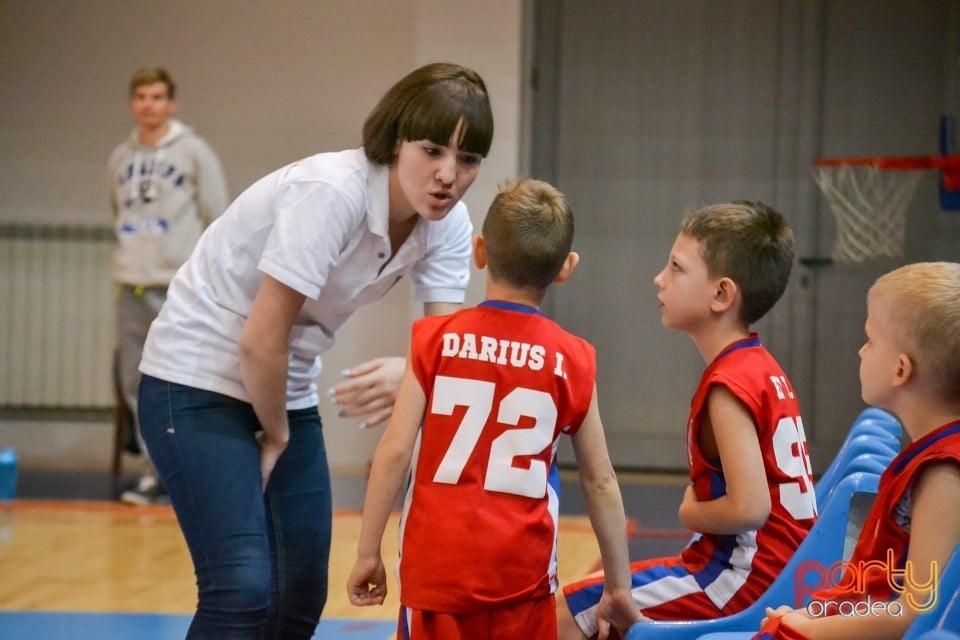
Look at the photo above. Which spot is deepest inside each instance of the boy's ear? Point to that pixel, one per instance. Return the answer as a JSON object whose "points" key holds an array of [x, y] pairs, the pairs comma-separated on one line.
{"points": [[573, 259], [905, 370], [725, 295], [479, 253]]}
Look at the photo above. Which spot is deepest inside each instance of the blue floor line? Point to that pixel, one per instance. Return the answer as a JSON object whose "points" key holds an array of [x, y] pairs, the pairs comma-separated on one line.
{"points": [[35, 625]]}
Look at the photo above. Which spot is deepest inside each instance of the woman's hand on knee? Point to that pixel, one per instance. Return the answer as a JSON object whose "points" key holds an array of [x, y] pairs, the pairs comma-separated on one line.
{"points": [[270, 451]]}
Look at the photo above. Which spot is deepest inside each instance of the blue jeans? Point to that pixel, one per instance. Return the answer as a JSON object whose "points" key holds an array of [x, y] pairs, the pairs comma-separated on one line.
{"points": [[260, 557]]}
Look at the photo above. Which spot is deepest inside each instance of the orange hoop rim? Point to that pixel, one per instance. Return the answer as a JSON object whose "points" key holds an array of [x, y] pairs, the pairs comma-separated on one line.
{"points": [[949, 162]]}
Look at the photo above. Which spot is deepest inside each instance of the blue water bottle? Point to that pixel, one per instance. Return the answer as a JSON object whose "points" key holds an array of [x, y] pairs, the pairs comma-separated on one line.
{"points": [[8, 474]]}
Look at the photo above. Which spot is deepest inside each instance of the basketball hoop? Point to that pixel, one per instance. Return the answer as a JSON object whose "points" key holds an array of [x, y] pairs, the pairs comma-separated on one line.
{"points": [[869, 197]]}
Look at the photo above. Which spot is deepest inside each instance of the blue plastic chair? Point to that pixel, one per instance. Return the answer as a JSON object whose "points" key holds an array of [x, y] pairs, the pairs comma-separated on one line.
{"points": [[823, 544], [874, 433], [878, 422], [945, 615], [868, 463], [940, 623], [858, 443], [883, 419]]}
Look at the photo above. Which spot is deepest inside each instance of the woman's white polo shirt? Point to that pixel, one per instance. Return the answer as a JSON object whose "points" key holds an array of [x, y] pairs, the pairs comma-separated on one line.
{"points": [[320, 227]]}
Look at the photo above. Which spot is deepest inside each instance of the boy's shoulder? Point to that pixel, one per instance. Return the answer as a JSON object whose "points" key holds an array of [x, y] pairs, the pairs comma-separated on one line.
{"points": [[750, 372], [502, 323], [744, 357], [436, 320], [475, 318], [943, 442]]}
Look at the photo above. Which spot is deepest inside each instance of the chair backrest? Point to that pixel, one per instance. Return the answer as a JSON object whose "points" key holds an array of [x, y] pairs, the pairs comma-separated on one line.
{"points": [[822, 547], [881, 418], [936, 634], [858, 444], [945, 615], [874, 430], [875, 433]]}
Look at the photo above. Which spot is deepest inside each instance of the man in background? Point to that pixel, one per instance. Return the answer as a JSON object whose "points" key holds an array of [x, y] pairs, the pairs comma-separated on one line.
{"points": [[166, 186]]}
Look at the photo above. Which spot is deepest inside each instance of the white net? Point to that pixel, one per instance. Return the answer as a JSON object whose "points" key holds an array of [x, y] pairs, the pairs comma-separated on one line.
{"points": [[869, 205]]}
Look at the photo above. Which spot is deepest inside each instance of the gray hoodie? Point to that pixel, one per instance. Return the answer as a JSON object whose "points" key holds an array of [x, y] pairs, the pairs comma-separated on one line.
{"points": [[162, 198]]}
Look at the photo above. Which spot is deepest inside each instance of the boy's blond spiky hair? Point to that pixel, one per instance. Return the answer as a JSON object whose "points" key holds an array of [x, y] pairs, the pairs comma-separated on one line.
{"points": [[921, 303]]}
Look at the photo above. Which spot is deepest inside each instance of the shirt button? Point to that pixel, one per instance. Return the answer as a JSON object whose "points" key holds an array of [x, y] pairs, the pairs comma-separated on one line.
{"points": [[381, 255]]}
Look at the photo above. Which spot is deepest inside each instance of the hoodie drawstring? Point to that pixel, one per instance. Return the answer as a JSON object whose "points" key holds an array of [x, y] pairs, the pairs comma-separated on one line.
{"points": [[139, 168]]}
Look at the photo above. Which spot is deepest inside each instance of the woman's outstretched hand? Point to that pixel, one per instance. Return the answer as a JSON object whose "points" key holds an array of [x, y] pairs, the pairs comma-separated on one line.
{"points": [[369, 391]]}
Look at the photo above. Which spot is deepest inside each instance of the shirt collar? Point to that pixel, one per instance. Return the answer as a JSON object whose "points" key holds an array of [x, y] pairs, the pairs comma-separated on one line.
{"points": [[378, 192], [378, 209], [510, 306]]}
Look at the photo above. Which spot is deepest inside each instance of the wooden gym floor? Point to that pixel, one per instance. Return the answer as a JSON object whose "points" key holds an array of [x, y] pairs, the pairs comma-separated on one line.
{"points": [[85, 569]]}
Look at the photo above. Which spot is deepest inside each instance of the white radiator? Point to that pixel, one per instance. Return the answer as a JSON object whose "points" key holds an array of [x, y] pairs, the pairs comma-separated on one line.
{"points": [[57, 327]]}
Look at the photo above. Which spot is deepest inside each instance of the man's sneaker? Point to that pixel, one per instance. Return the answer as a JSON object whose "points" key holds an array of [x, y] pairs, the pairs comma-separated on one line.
{"points": [[149, 491]]}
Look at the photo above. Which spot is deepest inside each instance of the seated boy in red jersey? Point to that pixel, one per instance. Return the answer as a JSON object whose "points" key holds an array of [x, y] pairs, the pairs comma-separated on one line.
{"points": [[750, 497], [910, 366], [494, 387]]}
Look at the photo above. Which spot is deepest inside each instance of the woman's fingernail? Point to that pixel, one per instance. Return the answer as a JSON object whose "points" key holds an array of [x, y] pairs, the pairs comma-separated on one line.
{"points": [[331, 393], [362, 426], [345, 372]]}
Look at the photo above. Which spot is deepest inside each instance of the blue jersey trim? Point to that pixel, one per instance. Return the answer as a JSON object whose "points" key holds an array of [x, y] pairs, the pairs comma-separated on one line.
{"points": [[553, 478], [510, 306], [718, 483], [752, 341], [925, 443]]}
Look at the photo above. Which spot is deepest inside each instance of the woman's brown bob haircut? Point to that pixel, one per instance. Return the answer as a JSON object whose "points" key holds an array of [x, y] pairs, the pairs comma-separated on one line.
{"points": [[427, 104]]}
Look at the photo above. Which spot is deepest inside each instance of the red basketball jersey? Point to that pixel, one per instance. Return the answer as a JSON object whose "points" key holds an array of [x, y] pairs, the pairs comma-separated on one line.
{"points": [[774, 629], [734, 570], [885, 536], [479, 525]]}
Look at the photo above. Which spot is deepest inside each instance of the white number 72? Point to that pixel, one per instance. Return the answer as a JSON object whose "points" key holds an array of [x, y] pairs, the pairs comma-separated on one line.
{"points": [[477, 396]]}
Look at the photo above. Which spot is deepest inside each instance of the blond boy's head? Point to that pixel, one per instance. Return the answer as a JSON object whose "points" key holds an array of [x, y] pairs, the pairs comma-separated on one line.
{"points": [[920, 305], [528, 233]]}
